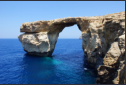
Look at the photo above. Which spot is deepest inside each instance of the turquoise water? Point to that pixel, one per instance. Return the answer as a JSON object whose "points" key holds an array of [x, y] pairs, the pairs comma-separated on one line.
{"points": [[64, 67]]}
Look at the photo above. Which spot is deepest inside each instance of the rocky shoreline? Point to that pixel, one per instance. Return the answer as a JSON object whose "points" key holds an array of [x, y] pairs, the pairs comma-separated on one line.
{"points": [[103, 42]]}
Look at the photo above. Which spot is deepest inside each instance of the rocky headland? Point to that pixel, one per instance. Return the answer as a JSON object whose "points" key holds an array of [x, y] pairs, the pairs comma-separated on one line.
{"points": [[103, 42]]}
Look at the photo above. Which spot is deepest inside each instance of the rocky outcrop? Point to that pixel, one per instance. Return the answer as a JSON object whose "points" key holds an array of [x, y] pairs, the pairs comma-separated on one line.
{"points": [[113, 68], [40, 44], [103, 42]]}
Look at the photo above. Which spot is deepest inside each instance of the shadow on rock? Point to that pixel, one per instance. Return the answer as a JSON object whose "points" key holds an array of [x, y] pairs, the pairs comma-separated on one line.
{"points": [[88, 68], [30, 55]]}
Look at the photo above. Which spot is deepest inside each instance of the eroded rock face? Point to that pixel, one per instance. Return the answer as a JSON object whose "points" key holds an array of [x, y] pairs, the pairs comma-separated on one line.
{"points": [[113, 69], [41, 44], [103, 42]]}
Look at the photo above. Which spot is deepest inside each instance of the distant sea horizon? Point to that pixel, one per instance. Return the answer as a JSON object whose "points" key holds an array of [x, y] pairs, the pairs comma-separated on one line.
{"points": [[58, 38]]}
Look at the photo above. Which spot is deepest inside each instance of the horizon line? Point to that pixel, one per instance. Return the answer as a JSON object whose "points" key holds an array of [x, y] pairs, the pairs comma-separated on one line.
{"points": [[58, 38]]}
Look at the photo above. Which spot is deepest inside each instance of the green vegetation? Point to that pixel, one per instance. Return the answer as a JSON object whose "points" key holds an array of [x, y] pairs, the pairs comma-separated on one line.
{"points": [[112, 16]]}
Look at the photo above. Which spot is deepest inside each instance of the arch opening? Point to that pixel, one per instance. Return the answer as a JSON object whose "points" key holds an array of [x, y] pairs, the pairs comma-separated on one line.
{"points": [[70, 31], [67, 39]]}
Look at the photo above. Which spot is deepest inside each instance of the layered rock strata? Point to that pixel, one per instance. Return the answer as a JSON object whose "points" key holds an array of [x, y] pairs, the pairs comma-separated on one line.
{"points": [[103, 42]]}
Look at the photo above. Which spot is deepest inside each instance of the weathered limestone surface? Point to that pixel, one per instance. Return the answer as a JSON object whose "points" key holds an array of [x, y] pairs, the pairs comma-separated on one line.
{"points": [[113, 68], [41, 44], [103, 42]]}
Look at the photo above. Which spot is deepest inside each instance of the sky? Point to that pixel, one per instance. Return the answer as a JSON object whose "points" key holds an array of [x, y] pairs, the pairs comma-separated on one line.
{"points": [[14, 13]]}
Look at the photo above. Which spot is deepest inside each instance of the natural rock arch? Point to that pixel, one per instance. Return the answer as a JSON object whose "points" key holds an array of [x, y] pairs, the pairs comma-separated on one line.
{"points": [[42, 35], [100, 36]]}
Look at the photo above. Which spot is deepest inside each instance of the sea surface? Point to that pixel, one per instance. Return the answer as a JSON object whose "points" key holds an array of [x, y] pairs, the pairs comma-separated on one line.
{"points": [[66, 66]]}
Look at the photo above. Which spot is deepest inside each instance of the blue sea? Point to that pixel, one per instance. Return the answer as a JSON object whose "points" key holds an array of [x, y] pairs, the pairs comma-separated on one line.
{"points": [[66, 66]]}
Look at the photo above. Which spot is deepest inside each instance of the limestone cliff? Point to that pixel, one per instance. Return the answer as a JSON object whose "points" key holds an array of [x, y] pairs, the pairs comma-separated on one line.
{"points": [[103, 42]]}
